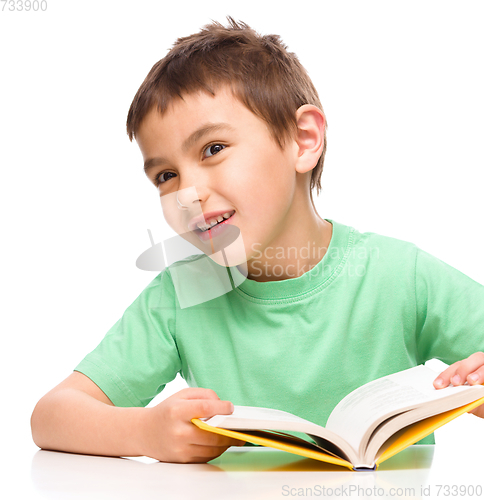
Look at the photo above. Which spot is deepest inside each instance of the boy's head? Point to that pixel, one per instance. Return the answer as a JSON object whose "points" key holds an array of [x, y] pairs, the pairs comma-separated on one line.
{"points": [[230, 121], [262, 74]]}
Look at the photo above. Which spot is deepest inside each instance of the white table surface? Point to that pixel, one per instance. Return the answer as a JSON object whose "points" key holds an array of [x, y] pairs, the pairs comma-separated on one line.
{"points": [[240, 473], [262, 473]]}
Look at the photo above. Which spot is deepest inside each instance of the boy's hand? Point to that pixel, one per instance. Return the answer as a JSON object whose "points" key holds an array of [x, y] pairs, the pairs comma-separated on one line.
{"points": [[170, 436], [470, 370]]}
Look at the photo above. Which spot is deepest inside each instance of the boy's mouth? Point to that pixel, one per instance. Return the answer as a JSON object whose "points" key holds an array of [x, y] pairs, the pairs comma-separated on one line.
{"points": [[209, 223], [213, 226]]}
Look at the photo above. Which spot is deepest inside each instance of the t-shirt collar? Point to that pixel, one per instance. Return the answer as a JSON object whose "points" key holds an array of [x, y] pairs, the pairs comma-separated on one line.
{"points": [[310, 282]]}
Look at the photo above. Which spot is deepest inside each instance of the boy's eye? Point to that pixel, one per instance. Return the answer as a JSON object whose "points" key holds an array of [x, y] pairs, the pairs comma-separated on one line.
{"points": [[213, 149], [159, 178]]}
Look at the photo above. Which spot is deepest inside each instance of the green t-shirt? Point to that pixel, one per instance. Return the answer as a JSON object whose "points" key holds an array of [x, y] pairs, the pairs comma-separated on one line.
{"points": [[372, 306]]}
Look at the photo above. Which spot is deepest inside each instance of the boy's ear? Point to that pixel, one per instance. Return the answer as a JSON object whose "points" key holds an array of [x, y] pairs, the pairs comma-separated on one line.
{"points": [[310, 137]]}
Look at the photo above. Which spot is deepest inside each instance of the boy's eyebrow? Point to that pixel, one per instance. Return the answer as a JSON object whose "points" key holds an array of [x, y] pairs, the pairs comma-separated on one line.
{"points": [[190, 141]]}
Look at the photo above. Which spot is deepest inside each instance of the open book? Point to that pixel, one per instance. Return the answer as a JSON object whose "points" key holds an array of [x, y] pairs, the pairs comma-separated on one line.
{"points": [[368, 426]]}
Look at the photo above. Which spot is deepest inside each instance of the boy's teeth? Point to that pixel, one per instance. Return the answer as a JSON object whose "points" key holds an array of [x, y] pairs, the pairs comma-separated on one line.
{"points": [[212, 222]]}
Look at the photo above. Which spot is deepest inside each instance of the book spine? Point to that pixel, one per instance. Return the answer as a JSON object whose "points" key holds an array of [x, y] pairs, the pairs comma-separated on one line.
{"points": [[364, 469]]}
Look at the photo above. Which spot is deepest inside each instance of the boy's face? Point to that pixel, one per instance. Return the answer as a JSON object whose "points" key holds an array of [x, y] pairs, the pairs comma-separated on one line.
{"points": [[215, 155]]}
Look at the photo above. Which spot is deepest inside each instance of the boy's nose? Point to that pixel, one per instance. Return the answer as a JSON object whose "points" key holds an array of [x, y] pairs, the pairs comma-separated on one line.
{"points": [[181, 206], [188, 198]]}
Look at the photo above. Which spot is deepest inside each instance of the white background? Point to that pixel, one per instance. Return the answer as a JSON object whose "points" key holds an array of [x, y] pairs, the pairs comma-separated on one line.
{"points": [[400, 83]]}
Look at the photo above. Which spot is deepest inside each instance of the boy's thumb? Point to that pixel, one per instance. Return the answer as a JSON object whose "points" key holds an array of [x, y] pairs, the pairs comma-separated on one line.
{"points": [[205, 408], [198, 393]]}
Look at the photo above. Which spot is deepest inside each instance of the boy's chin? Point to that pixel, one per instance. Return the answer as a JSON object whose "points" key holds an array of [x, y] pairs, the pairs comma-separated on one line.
{"points": [[226, 249], [233, 255]]}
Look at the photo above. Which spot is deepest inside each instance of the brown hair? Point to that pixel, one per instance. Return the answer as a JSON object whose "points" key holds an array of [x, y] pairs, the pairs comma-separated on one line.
{"points": [[263, 75]]}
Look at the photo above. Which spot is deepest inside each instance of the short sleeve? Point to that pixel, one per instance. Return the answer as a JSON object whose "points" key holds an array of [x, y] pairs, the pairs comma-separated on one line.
{"points": [[450, 311], [138, 356]]}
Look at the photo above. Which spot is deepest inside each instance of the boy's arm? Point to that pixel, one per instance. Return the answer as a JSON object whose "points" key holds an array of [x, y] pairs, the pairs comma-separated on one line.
{"points": [[77, 417], [450, 315], [470, 370]]}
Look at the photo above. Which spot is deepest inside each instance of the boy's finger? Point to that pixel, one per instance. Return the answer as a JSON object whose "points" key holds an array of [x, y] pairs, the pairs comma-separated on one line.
{"points": [[456, 374], [202, 453], [467, 367], [443, 380], [198, 393], [203, 408], [205, 438], [208, 451], [476, 377]]}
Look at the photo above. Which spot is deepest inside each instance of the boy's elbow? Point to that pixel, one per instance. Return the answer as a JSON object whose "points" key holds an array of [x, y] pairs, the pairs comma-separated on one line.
{"points": [[37, 423], [43, 421]]}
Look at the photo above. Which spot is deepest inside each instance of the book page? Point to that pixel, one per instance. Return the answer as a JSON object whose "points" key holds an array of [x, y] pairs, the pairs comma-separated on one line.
{"points": [[252, 416], [360, 409]]}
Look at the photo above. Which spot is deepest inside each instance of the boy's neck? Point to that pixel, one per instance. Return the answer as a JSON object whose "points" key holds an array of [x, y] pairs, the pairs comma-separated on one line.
{"points": [[295, 252]]}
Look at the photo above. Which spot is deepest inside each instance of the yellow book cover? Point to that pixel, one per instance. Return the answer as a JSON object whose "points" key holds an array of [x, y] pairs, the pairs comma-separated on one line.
{"points": [[359, 433]]}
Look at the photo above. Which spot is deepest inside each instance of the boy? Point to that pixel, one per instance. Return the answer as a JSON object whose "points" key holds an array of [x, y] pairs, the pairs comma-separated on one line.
{"points": [[233, 135]]}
